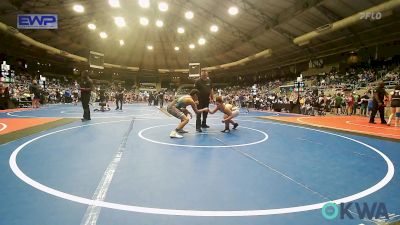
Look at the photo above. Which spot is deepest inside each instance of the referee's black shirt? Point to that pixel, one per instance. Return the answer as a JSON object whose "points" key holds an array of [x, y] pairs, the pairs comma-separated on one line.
{"points": [[380, 91], [204, 87], [86, 83]]}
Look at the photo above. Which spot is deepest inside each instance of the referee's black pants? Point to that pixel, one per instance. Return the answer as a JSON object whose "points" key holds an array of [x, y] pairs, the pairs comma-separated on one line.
{"points": [[85, 105], [375, 109], [118, 102], [202, 104]]}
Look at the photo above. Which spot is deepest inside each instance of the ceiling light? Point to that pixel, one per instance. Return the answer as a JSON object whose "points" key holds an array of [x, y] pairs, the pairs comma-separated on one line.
{"points": [[181, 30], [192, 46], [159, 23], [144, 21], [91, 26], [121, 42], [201, 41], [120, 21], [114, 3], [189, 15], [103, 35], [163, 6], [176, 48], [214, 28], [233, 10], [149, 47], [79, 8], [144, 3]]}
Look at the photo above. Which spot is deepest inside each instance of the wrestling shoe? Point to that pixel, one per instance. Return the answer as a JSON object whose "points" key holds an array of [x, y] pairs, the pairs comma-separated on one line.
{"points": [[174, 134], [182, 131]]}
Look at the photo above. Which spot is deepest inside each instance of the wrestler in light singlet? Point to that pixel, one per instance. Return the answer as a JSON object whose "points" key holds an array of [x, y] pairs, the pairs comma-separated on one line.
{"points": [[229, 111]]}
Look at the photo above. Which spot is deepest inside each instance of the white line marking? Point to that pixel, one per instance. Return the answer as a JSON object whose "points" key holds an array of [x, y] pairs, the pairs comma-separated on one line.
{"points": [[113, 112], [376, 127], [201, 146], [364, 155], [94, 117], [92, 213], [276, 171], [283, 175], [303, 139], [343, 129], [4, 126], [199, 213]]}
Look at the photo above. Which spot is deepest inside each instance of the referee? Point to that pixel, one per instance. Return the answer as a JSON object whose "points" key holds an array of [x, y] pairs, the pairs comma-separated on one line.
{"points": [[86, 89], [206, 95], [378, 104], [119, 97]]}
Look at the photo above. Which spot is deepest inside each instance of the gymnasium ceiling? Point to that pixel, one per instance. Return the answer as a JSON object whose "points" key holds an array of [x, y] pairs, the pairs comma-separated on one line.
{"points": [[258, 25]]}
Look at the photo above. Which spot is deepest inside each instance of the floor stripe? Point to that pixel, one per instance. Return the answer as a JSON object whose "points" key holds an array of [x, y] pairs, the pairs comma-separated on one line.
{"points": [[198, 213], [365, 155], [342, 129], [304, 139], [164, 110], [276, 171], [375, 127], [249, 156], [3, 126], [92, 213], [18, 134]]}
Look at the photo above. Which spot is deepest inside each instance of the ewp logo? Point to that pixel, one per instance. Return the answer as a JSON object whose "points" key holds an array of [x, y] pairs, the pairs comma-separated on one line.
{"points": [[37, 21], [331, 211]]}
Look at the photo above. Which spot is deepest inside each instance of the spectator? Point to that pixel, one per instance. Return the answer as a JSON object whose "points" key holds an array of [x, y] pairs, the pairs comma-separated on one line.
{"points": [[338, 104], [4, 97], [161, 98], [36, 91], [364, 104], [370, 104], [395, 105], [356, 98], [350, 104]]}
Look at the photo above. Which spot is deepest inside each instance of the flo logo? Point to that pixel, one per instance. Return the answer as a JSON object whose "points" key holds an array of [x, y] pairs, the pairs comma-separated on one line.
{"points": [[370, 15], [377, 210]]}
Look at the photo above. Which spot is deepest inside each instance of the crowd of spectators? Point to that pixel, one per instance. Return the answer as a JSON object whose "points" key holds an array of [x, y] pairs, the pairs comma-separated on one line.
{"points": [[23, 91], [347, 94], [343, 94]]}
